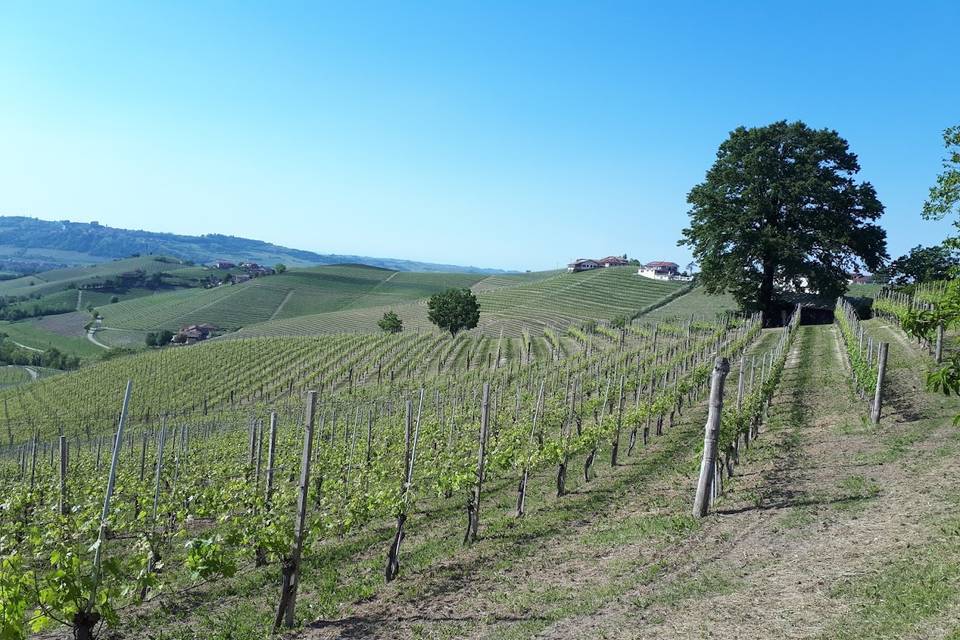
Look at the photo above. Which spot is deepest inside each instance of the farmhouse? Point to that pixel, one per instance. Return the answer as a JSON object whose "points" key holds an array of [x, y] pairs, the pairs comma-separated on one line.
{"points": [[583, 264], [660, 270], [223, 264], [613, 261], [194, 333]]}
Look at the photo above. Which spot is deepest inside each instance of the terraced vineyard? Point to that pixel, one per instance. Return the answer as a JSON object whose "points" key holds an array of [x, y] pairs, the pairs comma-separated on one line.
{"points": [[291, 294], [60, 279], [532, 302]]}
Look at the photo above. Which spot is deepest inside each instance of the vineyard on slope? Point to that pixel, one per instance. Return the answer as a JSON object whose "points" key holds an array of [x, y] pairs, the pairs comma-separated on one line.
{"points": [[205, 497]]}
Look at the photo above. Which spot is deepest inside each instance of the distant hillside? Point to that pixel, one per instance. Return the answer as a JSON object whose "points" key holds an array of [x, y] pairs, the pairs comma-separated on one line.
{"points": [[29, 245]]}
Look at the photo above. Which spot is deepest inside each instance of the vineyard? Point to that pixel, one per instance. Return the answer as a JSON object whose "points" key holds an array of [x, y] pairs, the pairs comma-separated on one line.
{"points": [[297, 476], [294, 293], [202, 490], [517, 303]]}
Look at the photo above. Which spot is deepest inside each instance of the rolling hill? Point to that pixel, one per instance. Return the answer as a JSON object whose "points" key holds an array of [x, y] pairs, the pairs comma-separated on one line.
{"points": [[29, 244], [548, 300]]}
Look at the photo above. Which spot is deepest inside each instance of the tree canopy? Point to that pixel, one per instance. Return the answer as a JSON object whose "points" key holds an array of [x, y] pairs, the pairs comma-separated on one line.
{"points": [[454, 310], [391, 322], [780, 211], [922, 264], [944, 198]]}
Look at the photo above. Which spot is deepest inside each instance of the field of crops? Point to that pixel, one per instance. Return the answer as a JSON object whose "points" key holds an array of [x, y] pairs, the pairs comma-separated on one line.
{"points": [[209, 491], [60, 279], [533, 303], [697, 304], [294, 293]]}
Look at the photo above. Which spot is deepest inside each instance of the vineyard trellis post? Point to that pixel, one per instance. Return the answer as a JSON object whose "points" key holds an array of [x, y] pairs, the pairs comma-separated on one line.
{"points": [[878, 392], [938, 353], [291, 566], [63, 476], [473, 502], [711, 434], [86, 619]]}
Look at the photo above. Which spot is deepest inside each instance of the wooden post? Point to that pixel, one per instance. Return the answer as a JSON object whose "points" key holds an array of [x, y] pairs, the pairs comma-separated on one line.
{"points": [[938, 353], [878, 393], [615, 446], [711, 432], [473, 503], [525, 476], [743, 361], [271, 451], [291, 569], [111, 480], [63, 475]]}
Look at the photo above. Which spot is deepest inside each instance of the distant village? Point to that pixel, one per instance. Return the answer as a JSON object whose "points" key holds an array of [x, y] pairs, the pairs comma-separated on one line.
{"points": [[656, 270], [250, 270]]}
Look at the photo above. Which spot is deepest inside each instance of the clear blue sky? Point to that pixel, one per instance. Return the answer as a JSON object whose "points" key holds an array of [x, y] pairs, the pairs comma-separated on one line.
{"points": [[514, 135]]}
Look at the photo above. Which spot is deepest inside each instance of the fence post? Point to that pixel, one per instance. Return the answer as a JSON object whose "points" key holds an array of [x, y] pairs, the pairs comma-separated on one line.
{"points": [[701, 503], [938, 354], [878, 393]]}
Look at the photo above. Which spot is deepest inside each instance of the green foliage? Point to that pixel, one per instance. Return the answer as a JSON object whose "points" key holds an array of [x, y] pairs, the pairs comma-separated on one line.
{"points": [[15, 596], [279, 267], [864, 371], [923, 264], [923, 322], [208, 557], [780, 209], [944, 197], [390, 323], [454, 310]]}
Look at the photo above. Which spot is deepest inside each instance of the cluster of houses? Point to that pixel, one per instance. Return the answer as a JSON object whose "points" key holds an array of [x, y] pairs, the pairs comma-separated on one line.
{"points": [[194, 333], [586, 264], [657, 270], [250, 270]]}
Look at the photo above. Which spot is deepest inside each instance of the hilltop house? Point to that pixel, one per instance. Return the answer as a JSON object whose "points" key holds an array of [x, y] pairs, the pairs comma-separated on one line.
{"points": [[223, 264], [613, 261], [860, 278], [582, 264], [660, 270]]}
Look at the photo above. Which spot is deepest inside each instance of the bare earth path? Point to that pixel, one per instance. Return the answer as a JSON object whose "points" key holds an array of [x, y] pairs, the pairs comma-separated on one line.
{"points": [[824, 506]]}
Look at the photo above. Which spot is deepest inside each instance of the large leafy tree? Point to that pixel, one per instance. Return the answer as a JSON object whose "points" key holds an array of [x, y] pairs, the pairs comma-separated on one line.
{"points": [[923, 264], [454, 310], [780, 210], [944, 197]]}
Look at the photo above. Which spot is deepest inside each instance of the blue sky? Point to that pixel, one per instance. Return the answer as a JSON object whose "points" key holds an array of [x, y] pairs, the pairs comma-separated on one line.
{"points": [[513, 135]]}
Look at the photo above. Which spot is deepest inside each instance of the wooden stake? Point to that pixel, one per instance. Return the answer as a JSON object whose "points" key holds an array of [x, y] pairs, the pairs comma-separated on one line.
{"points": [[878, 392], [705, 484], [291, 568], [473, 503]]}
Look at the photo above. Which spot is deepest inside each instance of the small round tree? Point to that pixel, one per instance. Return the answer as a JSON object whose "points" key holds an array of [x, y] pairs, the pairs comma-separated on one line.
{"points": [[391, 323], [454, 310]]}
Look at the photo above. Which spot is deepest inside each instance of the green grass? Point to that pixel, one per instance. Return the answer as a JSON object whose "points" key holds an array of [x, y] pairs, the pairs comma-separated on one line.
{"points": [[28, 333], [697, 304], [905, 592]]}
